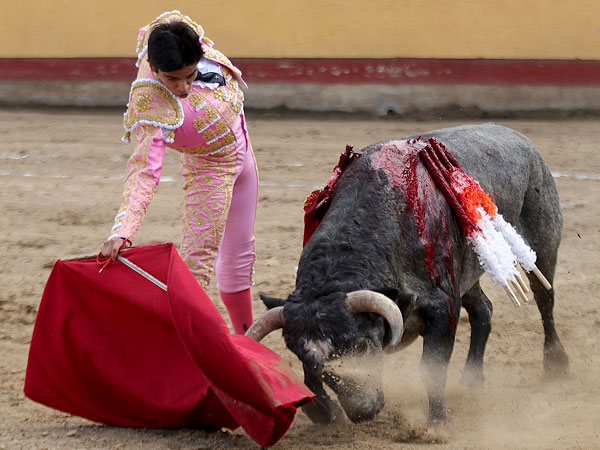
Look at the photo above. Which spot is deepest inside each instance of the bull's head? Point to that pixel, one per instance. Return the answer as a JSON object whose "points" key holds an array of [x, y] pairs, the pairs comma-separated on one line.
{"points": [[340, 340]]}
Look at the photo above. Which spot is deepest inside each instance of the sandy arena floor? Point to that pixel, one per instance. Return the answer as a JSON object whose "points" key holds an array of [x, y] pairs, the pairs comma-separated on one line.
{"points": [[60, 184]]}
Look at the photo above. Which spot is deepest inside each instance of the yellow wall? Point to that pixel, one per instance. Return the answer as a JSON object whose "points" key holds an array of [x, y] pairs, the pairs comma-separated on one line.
{"points": [[523, 29]]}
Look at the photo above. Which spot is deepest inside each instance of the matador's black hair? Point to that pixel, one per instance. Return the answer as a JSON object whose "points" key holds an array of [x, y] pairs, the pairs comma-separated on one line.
{"points": [[172, 46]]}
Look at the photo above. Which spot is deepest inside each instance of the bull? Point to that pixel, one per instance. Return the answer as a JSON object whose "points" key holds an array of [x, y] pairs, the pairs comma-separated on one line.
{"points": [[389, 262]]}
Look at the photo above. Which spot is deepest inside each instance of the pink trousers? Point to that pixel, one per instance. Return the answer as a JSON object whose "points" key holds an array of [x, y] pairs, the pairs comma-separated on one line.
{"points": [[219, 214], [236, 256]]}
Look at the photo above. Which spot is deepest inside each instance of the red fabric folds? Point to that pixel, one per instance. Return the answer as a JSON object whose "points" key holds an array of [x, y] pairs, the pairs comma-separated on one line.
{"points": [[317, 202], [114, 348]]}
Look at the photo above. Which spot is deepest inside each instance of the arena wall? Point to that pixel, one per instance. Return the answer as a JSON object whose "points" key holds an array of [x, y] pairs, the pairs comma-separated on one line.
{"points": [[378, 57]]}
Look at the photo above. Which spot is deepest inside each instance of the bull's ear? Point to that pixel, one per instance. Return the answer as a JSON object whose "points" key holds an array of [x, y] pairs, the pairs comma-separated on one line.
{"points": [[392, 293], [404, 300], [271, 302]]}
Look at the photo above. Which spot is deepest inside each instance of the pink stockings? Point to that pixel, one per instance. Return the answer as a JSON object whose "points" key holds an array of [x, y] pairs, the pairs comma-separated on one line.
{"points": [[239, 307]]}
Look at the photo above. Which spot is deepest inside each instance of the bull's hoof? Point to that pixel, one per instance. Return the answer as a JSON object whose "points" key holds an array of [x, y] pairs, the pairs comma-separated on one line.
{"points": [[556, 362], [362, 417], [441, 430], [472, 378], [362, 411], [324, 413]]}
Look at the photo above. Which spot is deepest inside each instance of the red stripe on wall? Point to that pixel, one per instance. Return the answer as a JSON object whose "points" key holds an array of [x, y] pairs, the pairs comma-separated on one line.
{"points": [[330, 71], [67, 69]]}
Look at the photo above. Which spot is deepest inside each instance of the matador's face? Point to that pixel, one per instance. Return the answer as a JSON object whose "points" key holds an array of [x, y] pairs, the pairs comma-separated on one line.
{"points": [[179, 82]]}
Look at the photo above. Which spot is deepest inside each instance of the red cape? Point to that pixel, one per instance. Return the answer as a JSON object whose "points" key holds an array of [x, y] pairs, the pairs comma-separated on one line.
{"points": [[114, 348]]}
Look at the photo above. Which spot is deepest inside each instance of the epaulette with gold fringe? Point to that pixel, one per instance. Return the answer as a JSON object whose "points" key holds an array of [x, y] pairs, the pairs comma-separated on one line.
{"points": [[151, 103]]}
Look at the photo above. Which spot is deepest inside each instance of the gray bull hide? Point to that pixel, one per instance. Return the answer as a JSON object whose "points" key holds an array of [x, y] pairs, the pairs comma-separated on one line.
{"points": [[389, 230]]}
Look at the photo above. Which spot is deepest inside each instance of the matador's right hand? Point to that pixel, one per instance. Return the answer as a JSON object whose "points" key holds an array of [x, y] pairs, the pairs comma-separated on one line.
{"points": [[111, 247]]}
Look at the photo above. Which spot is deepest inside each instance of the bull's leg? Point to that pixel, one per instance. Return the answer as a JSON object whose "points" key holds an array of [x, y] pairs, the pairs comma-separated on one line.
{"points": [[540, 224], [322, 409], [556, 361], [479, 308], [438, 341]]}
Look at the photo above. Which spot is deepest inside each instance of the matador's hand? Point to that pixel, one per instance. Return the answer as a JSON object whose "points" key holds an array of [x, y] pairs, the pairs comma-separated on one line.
{"points": [[111, 247]]}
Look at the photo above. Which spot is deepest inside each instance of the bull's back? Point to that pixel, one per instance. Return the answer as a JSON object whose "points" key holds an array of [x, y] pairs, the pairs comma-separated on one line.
{"points": [[366, 223], [509, 167], [506, 164]]}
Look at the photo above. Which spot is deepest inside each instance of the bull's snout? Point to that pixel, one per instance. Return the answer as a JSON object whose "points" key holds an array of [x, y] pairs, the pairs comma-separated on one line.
{"points": [[362, 406], [360, 392]]}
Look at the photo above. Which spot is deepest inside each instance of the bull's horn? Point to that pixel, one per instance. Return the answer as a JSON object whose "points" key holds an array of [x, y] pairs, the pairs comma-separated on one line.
{"points": [[270, 321], [370, 301]]}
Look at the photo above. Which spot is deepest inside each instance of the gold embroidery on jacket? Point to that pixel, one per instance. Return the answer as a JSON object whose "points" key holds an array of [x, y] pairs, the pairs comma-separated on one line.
{"points": [[143, 102], [152, 103]]}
